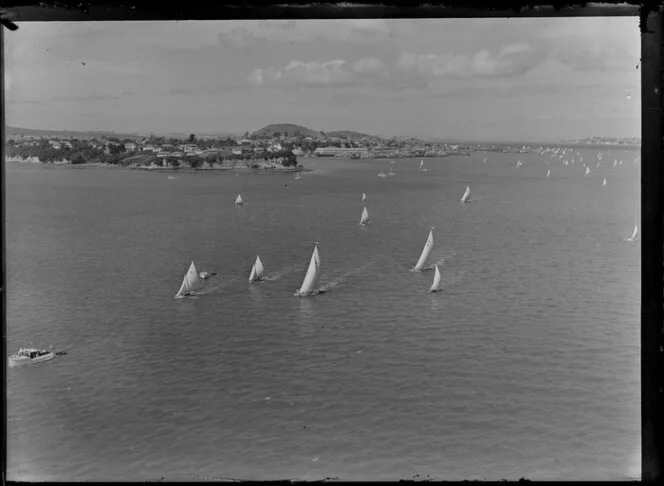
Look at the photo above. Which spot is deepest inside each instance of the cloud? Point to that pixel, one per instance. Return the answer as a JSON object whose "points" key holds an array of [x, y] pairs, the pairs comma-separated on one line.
{"points": [[328, 73], [512, 60], [249, 34], [240, 38], [27, 102], [204, 90], [91, 97], [598, 58]]}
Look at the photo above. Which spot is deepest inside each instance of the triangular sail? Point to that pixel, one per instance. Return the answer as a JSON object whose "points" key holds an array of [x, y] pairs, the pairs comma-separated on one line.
{"points": [[421, 164], [466, 195], [604, 182], [364, 219], [191, 282], [313, 274], [587, 171], [548, 173], [436, 280], [634, 233], [364, 197], [256, 270], [238, 200], [425, 251]]}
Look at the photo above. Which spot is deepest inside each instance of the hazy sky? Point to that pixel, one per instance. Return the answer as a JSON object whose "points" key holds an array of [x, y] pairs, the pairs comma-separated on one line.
{"points": [[492, 79]]}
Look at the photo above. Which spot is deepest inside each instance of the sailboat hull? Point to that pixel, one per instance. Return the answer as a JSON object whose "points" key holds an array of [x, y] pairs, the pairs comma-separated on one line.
{"points": [[310, 293]]}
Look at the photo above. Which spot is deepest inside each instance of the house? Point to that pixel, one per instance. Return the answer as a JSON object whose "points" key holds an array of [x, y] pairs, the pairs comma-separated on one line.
{"points": [[130, 146]]}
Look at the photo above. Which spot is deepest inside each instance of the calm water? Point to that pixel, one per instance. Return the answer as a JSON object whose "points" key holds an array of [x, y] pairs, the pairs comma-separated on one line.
{"points": [[526, 365]]}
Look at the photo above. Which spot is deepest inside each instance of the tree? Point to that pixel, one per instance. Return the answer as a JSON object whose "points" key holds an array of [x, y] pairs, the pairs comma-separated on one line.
{"points": [[78, 159], [192, 138]]}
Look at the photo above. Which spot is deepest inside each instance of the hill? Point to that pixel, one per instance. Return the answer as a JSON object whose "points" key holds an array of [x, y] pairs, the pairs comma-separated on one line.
{"points": [[286, 129], [349, 134]]}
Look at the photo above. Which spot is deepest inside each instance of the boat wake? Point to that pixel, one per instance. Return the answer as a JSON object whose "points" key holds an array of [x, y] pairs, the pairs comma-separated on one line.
{"points": [[344, 276]]}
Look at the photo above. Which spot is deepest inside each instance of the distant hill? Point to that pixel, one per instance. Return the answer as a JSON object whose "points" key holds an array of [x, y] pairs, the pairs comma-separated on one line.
{"points": [[350, 134], [36, 132], [286, 129]]}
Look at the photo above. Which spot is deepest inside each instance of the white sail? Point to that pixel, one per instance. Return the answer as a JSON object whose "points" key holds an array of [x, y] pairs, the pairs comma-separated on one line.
{"points": [[484, 161], [364, 197], [548, 173], [364, 219], [313, 274], [634, 233], [190, 282], [436, 280], [425, 251], [466, 195], [238, 200], [421, 164], [604, 182], [587, 171], [518, 164], [256, 270]]}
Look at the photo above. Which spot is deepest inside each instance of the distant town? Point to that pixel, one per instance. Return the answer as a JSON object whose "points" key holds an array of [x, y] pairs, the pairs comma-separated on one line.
{"points": [[274, 146]]}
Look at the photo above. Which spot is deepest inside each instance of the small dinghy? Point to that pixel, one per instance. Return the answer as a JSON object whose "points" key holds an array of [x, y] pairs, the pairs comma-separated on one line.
{"points": [[364, 219], [257, 271], [190, 283], [425, 253], [238, 200], [312, 276], [435, 287], [26, 356], [466, 195]]}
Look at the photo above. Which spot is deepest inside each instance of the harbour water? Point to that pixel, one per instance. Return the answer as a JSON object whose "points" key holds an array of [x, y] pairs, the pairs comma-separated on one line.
{"points": [[525, 365]]}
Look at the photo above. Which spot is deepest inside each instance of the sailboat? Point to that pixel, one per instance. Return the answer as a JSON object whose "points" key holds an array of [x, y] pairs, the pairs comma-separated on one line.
{"points": [[312, 276], [604, 182], [191, 282], [382, 174], [466, 195], [548, 172], [421, 164], [518, 164], [634, 233], [435, 287], [298, 177], [425, 252], [484, 161], [587, 173], [256, 270], [238, 200], [364, 219], [364, 197], [391, 172]]}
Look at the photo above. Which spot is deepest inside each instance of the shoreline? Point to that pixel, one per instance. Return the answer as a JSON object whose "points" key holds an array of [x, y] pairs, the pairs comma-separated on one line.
{"points": [[269, 169]]}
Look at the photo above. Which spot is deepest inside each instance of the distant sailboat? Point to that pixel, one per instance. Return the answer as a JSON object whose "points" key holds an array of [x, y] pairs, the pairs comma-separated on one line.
{"points": [[604, 182], [364, 219], [518, 164], [238, 200], [425, 252], [548, 172], [382, 174], [298, 177], [391, 172], [435, 287], [587, 173], [466, 195], [634, 233], [364, 197], [421, 164], [191, 282], [256, 270], [484, 161], [312, 276]]}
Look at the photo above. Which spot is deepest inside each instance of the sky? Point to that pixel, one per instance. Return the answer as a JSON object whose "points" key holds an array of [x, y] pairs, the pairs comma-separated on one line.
{"points": [[473, 79]]}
